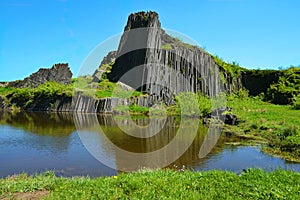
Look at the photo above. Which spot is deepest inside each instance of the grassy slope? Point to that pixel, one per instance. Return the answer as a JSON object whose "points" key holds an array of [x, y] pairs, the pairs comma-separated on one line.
{"points": [[277, 125], [162, 184]]}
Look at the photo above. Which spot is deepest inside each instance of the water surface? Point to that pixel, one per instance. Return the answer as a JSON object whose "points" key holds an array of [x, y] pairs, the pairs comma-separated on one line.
{"points": [[36, 142]]}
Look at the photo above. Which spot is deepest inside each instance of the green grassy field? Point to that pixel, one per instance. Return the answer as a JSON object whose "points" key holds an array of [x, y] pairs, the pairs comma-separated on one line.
{"points": [[277, 125], [161, 184]]}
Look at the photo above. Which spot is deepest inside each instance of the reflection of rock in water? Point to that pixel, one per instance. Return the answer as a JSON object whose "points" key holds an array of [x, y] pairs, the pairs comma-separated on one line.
{"points": [[41, 123], [132, 153], [50, 131], [210, 141]]}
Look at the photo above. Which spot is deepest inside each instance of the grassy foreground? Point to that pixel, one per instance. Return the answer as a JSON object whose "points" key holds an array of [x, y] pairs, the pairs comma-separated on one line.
{"points": [[160, 184]]}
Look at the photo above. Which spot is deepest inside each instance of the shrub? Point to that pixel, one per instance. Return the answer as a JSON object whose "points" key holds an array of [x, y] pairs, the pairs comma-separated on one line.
{"points": [[51, 89], [138, 109], [191, 104], [287, 87], [187, 103], [205, 105], [243, 94], [296, 102]]}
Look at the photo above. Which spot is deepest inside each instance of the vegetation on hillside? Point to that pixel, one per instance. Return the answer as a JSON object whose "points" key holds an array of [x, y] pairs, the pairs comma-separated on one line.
{"points": [[232, 68], [287, 89], [26, 96]]}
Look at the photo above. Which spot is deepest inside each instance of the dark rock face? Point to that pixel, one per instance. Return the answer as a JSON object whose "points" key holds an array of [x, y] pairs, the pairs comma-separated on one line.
{"points": [[1, 103], [60, 73], [143, 64], [142, 19]]}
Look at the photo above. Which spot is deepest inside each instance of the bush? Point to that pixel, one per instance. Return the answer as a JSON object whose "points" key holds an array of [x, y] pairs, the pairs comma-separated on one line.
{"points": [[205, 105], [23, 94], [187, 104], [296, 102], [50, 90], [286, 139], [243, 94], [5, 90], [191, 104], [287, 87], [138, 109]]}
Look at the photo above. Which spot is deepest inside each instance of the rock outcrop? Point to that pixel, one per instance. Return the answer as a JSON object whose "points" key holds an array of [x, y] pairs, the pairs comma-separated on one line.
{"points": [[60, 73], [145, 64], [109, 58]]}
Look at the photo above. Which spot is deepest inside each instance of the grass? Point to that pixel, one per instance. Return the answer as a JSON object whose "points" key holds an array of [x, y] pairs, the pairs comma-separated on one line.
{"points": [[110, 89], [167, 46], [160, 184], [277, 125], [132, 109]]}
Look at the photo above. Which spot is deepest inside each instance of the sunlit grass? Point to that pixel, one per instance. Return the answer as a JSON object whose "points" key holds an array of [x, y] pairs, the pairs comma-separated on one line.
{"points": [[161, 184], [278, 125]]}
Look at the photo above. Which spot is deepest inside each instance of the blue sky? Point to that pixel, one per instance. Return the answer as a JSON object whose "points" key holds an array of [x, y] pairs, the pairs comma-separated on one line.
{"points": [[257, 34]]}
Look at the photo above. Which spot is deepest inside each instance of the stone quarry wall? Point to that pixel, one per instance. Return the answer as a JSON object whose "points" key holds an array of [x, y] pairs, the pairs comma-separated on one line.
{"points": [[60, 73]]}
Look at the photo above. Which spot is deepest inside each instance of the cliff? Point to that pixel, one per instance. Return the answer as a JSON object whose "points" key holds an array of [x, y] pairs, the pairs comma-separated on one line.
{"points": [[162, 66]]}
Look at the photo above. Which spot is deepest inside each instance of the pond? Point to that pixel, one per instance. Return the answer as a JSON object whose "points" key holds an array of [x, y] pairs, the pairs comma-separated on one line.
{"points": [[103, 145]]}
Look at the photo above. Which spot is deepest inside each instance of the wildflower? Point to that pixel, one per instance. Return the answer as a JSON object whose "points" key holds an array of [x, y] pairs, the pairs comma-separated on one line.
{"points": [[115, 177]]}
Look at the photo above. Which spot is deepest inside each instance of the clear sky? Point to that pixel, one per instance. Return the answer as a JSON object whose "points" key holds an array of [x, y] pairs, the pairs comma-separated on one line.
{"points": [[258, 34]]}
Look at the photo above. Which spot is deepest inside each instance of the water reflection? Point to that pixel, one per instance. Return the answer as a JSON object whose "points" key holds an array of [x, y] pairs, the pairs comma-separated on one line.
{"points": [[42, 123], [177, 143], [53, 129], [36, 142]]}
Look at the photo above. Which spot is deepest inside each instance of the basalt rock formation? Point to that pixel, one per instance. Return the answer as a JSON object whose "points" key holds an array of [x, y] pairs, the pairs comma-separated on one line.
{"points": [[60, 73], [153, 62]]}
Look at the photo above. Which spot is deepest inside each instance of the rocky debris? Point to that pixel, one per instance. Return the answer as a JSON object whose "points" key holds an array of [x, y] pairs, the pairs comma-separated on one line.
{"points": [[60, 73], [125, 87], [222, 115], [3, 84], [166, 39]]}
